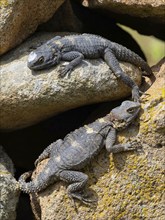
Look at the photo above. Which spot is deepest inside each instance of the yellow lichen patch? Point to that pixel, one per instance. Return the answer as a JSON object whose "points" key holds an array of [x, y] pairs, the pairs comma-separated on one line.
{"points": [[148, 117], [4, 3], [134, 187], [163, 92]]}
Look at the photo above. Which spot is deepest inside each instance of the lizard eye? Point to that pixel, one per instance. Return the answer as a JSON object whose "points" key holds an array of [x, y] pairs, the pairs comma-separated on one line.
{"points": [[40, 60], [131, 110]]}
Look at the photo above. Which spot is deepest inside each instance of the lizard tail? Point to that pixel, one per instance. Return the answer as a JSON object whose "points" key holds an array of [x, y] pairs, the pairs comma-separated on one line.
{"points": [[32, 186], [127, 55]]}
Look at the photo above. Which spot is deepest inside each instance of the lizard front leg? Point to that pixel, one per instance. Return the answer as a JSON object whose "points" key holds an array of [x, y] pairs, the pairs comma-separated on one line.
{"points": [[113, 63], [75, 59], [117, 148], [110, 139]]}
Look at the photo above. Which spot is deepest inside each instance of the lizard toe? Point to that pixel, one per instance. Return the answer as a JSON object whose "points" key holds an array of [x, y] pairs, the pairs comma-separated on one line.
{"points": [[86, 200]]}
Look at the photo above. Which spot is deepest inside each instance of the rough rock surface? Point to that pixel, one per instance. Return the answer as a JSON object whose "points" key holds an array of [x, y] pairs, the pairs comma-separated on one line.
{"points": [[9, 189], [19, 19], [142, 8], [152, 121], [127, 185], [28, 97]]}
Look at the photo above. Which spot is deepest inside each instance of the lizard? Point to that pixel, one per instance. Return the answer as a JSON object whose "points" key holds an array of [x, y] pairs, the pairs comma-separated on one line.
{"points": [[75, 48], [68, 156]]}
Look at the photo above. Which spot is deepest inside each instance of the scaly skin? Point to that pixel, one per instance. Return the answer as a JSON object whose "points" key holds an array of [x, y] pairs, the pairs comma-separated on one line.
{"points": [[68, 156], [75, 48]]}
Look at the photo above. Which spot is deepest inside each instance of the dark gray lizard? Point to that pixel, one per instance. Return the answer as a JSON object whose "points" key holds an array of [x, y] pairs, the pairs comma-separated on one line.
{"points": [[75, 48], [68, 156]]}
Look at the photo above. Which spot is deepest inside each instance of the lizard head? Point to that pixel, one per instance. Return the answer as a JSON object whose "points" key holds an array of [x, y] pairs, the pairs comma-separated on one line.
{"points": [[43, 57], [124, 114]]}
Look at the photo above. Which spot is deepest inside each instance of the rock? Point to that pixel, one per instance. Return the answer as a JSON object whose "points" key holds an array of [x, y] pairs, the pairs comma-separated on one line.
{"points": [[142, 8], [152, 124], [28, 97], [126, 185], [9, 189], [146, 16], [19, 19]]}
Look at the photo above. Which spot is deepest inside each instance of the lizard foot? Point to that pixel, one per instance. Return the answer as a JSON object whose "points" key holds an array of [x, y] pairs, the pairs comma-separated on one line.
{"points": [[134, 145], [65, 71], [82, 198], [136, 94]]}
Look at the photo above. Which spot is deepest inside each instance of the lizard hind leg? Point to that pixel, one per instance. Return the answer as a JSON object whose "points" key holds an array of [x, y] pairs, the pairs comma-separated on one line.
{"points": [[77, 182], [113, 63]]}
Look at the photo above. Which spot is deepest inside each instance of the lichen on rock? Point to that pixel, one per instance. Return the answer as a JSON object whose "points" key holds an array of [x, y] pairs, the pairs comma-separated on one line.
{"points": [[9, 188], [126, 185]]}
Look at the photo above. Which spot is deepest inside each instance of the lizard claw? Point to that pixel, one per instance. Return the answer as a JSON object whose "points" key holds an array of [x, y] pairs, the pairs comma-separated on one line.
{"points": [[136, 94], [82, 198], [141, 93], [36, 162], [65, 71], [134, 145], [88, 201]]}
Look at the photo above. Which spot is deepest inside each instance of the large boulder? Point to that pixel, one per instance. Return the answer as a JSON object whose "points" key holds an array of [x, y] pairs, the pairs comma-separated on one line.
{"points": [[142, 8], [19, 19], [126, 185], [28, 97], [9, 188], [146, 16]]}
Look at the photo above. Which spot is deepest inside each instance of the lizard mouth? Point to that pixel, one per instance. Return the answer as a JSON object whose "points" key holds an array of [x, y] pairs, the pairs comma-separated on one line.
{"points": [[46, 65], [38, 67], [121, 124]]}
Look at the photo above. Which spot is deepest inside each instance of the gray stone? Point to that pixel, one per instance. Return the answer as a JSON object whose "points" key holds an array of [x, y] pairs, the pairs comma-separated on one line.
{"points": [[9, 189], [28, 97], [20, 18]]}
